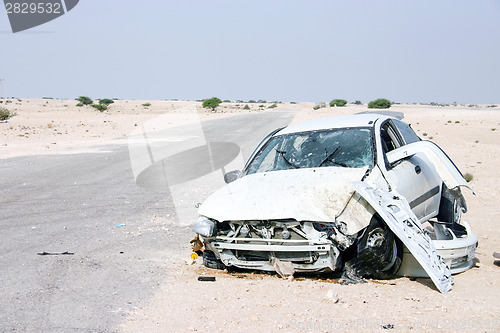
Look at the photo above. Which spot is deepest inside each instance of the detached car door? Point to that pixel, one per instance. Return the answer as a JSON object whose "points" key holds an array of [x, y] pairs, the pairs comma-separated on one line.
{"points": [[413, 176]]}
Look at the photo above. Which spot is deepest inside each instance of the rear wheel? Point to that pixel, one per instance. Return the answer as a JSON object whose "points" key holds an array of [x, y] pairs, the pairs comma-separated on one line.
{"points": [[383, 249], [211, 261]]}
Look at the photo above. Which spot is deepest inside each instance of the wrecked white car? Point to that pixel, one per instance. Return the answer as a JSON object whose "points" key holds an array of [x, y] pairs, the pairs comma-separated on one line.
{"points": [[360, 194]]}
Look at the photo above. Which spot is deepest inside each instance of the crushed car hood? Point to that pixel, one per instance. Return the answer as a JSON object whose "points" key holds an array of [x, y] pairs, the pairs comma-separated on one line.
{"points": [[316, 194]]}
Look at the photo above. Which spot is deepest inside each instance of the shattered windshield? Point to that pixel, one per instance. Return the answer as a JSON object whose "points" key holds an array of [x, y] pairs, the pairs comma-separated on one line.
{"points": [[343, 147]]}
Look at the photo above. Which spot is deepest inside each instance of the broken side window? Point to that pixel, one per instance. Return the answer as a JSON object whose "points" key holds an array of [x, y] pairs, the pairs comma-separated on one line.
{"points": [[390, 137], [406, 131]]}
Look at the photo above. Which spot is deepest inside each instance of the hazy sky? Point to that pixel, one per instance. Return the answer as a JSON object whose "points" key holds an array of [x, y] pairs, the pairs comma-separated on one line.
{"points": [[403, 50]]}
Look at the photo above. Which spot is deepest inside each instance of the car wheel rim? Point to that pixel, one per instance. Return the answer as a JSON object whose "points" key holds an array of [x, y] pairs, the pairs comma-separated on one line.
{"points": [[375, 239]]}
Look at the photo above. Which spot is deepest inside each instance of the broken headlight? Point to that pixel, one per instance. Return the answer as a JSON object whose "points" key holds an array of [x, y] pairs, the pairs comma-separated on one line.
{"points": [[204, 227]]}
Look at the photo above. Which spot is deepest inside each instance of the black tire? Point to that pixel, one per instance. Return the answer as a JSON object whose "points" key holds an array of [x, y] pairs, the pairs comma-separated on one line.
{"points": [[211, 261], [449, 207], [382, 248]]}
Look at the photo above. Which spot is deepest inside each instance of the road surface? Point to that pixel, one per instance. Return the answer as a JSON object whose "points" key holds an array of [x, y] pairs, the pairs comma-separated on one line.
{"points": [[118, 237]]}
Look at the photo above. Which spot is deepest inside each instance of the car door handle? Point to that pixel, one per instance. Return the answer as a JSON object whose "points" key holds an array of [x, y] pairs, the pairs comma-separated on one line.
{"points": [[417, 169]]}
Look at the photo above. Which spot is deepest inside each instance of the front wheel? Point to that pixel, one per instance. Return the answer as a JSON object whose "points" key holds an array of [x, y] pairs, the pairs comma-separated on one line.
{"points": [[211, 261], [382, 248]]}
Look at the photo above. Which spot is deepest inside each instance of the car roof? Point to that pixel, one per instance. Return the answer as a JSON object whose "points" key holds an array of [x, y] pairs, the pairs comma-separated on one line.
{"points": [[355, 120]]}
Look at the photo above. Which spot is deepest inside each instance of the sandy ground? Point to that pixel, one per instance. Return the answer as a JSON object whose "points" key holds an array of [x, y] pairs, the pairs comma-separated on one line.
{"points": [[256, 302], [45, 126]]}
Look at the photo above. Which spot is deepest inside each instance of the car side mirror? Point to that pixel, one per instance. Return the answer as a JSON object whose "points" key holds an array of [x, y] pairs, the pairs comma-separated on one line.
{"points": [[231, 176]]}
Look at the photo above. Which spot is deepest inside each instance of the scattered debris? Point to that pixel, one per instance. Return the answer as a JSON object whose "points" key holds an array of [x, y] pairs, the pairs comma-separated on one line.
{"points": [[239, 276], [196, 244], [190, 262], [332, 296], [412, 299], [368, 261], [388, 326], [206, 278], [285, 269], [120, 225], [496, 255], [55, 253]]}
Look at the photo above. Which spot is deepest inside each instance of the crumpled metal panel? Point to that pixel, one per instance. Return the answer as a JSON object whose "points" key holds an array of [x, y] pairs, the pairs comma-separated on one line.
{"points": [[446, 169], [314, 194], [355, 216], [396, 212]]}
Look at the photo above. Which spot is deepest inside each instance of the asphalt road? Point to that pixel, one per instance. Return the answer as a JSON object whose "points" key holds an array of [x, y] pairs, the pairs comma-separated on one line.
{"points": [[89, 206]]}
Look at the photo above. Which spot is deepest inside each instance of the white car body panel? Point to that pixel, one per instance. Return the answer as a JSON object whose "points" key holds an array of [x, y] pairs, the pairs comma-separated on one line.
{"points": [[316, 194], [402, 178], [448, 172], [396, 212], [422, 189]]}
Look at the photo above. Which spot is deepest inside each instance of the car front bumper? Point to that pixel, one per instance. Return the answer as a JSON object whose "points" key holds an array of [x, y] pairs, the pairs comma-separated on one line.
{"points": [[306, 255]]}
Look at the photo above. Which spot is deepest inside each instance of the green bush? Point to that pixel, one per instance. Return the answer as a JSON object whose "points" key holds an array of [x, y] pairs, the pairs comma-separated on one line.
{"points": [[468, 177], [146, 105], [6, 114], [106, 101], [246, 107], [85, 100], [211, 103], [79, 104], [272, 106], [358, 103], [380, 103], [338, 102], [100, 107]]}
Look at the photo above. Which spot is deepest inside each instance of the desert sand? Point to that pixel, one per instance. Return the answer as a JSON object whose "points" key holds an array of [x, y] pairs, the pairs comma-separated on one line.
{"points": [[257, 302]]}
